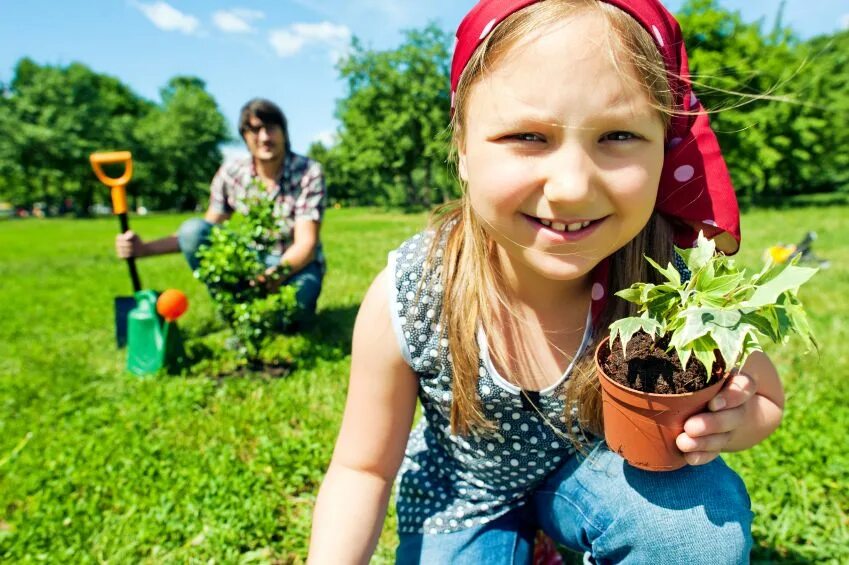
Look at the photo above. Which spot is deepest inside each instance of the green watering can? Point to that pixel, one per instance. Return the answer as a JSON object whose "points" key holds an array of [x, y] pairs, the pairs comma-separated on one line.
{"points": [[153, 338]]}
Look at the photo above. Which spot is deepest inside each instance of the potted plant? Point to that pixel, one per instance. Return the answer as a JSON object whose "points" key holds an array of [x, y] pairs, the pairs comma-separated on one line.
{"points": [[659, 368]]}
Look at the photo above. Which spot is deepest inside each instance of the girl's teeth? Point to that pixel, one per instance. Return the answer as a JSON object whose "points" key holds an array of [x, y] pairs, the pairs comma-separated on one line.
{"points": [[559, 226]]}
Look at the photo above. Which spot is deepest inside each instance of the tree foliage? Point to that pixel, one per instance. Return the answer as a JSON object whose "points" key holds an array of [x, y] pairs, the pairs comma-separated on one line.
{"points": [[53, 117], [775, 101], [178, 143], [392, 146]]}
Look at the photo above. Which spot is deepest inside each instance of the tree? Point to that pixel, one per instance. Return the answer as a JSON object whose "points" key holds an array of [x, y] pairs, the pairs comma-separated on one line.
{"points": [[179, 145], [767, 96], [59, 115], [392, 145], [54, 117], [825, 92]]}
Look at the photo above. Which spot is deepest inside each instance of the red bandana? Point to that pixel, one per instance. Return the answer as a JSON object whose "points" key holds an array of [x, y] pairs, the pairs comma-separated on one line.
{"points": [[695, 187]]}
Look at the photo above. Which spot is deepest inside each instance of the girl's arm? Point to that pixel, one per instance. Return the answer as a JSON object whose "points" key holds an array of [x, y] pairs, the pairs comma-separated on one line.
{"points": [[744, 413], [351, 505]]}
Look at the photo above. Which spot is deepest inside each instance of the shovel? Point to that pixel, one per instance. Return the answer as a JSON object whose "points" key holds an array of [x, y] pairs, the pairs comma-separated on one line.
{"points": [[123, 304]]}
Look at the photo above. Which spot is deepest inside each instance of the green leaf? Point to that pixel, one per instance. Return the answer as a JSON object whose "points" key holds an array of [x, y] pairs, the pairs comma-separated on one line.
{"points": [[693, 328], [697, 257], [725, 328], [765, 321], [627, 327], [670, 272], [723, 284], [704, 350], [790, 278], [799, 320], [632, 294]]}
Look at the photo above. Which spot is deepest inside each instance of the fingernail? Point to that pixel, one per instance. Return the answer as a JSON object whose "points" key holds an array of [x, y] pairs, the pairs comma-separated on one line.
{"points": [[718, 403]]}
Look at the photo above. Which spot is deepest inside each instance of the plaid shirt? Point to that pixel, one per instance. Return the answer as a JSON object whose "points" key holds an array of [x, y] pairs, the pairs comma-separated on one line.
{"points": [[299, 194]]}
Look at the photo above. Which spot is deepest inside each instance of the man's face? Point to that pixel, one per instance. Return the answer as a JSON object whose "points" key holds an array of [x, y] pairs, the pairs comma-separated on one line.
{"points": [[266, 142]]}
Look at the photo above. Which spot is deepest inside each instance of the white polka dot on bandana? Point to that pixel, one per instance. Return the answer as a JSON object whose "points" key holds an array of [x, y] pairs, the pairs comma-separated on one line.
{"points": [[488, 28], [657, 35], [674, 142], [709, 223], [693, 100], [684, 173], [598, 291]]}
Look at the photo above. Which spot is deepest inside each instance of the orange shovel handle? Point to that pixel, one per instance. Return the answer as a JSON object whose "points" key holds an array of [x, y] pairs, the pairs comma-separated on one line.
{"points": [[119, 193]]}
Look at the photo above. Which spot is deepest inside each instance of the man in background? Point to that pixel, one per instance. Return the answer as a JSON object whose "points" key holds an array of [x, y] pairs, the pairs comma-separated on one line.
{"points": [[293, 185]]}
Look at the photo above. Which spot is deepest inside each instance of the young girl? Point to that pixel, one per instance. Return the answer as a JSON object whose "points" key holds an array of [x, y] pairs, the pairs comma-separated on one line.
{"points": [[581, 147]]}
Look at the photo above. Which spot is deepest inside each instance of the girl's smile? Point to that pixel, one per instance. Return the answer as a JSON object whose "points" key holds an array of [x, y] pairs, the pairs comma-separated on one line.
{"points": [[562, 231]]}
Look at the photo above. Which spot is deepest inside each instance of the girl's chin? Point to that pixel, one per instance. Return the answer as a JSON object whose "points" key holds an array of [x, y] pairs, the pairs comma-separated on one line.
{"points": [[574, 273], [558, 267]]}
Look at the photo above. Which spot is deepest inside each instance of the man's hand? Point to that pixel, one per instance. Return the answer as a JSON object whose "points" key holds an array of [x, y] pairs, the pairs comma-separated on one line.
{"points": [[271, 279], [129, 244], [707, 433]]}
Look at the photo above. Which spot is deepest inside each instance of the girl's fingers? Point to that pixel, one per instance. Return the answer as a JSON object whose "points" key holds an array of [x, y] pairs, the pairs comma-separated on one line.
{"points": [[708, 423], [736, 392], [701, 457], [713, 443]]}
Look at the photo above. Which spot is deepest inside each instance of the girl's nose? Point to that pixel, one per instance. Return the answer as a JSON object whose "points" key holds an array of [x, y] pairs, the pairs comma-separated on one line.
{"points": [[569, 173]]}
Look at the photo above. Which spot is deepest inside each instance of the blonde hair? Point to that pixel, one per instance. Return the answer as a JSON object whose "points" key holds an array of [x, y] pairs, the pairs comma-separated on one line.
{"points": [[475, 292]]}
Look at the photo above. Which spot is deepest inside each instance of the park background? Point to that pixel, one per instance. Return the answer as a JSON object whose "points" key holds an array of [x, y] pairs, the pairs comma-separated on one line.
{"points": [[96, 465]]}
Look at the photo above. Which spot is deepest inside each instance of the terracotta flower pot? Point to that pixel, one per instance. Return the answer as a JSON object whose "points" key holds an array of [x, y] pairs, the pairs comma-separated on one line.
{"points": [[642, 427]]}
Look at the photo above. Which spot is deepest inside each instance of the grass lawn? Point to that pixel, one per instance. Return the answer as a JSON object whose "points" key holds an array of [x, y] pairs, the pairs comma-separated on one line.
{"points": [[97, 465]]}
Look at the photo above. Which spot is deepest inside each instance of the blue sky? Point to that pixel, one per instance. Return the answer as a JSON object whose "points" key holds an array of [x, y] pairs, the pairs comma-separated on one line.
{"points": [[283, 50]]}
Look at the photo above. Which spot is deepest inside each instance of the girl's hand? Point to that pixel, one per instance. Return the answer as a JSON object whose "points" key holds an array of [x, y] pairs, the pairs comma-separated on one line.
{"points": [[707, 433]]}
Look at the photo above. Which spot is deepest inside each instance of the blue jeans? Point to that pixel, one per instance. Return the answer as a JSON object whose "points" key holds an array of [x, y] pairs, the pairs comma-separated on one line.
{"points": [[195, 232], [613, 513]]}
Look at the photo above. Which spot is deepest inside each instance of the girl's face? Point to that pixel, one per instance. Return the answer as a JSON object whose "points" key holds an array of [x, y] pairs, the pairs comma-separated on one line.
{"points": [[561, 152]]}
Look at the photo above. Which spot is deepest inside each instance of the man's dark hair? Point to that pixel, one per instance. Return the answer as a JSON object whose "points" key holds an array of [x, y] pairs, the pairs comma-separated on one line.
{"points": [[268, 113]]}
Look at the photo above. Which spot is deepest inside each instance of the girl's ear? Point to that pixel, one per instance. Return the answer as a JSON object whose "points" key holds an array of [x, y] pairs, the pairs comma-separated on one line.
{"points": [[461, 164]]}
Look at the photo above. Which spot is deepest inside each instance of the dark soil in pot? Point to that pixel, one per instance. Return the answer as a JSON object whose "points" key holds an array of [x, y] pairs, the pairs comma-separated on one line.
{"points": [[649, 367]]}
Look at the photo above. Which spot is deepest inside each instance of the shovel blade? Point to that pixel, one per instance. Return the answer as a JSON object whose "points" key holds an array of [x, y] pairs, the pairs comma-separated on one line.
{"points": [[123, 305]]}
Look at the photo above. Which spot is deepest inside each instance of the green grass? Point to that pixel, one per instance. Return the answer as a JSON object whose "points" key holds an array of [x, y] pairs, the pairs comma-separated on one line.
{"points": [[97, 465]]}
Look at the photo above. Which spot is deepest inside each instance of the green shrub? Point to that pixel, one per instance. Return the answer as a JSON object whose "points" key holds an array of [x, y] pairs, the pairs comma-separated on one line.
{"points": [[229, 266]]}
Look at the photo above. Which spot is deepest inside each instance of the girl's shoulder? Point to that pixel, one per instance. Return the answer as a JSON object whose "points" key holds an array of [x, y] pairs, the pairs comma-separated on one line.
{"points": [[414, 273], [416, 264], [415, 248]]}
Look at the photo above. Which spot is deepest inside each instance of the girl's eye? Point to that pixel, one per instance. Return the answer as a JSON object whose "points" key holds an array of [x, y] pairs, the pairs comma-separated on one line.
{"points": [[619, 136], [529, 137]]}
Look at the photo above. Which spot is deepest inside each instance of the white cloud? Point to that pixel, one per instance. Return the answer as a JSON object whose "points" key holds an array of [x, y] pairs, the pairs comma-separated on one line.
{"points": [[328, 138], [285, 43], [167, 18], [289, 41], [237, 20]]}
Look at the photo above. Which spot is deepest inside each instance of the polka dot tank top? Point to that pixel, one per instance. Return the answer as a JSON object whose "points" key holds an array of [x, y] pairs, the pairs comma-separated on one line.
{"points": [[447, 482]]}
